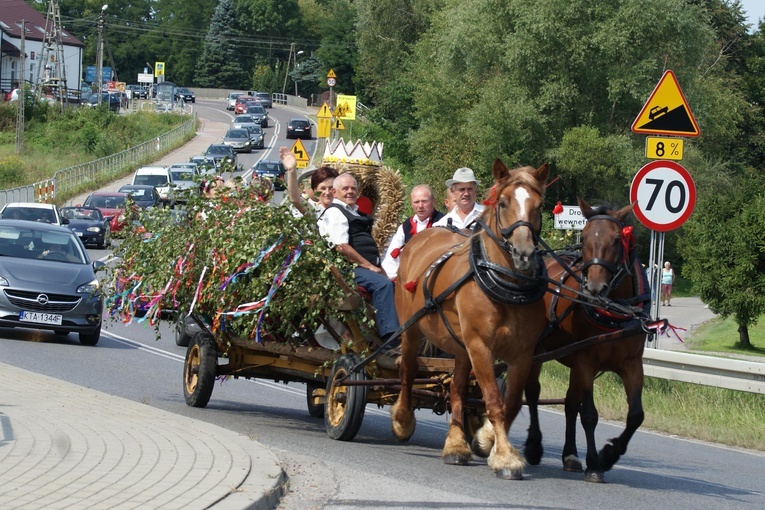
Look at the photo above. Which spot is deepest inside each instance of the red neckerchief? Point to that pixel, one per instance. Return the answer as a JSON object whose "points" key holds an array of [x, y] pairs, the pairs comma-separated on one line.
{"points": [[413, 223]]}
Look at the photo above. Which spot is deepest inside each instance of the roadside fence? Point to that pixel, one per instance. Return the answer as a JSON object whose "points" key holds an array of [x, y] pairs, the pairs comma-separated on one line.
{"points": [[80, 176]]}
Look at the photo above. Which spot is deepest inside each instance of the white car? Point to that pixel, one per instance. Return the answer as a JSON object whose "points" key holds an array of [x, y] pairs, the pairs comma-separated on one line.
{"points": [[33, 211], [156, 176], [231, 102]]}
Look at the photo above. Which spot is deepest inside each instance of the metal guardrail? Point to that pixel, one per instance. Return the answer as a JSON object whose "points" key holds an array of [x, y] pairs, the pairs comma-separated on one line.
{"points": [[705, 370], [78, 176]]}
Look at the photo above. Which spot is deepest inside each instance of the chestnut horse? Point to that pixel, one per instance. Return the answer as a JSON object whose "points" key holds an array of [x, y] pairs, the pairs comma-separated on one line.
{"points": [[610, 268], [484, 298]]}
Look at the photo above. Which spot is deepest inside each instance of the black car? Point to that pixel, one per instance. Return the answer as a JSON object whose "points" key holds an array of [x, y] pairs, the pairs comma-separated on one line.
{"points": [[137, 91], [299, 128], [113, 101], [220, 154], [258, 114], [144, 195], [273, 170], [185, 94], [89, 224]]}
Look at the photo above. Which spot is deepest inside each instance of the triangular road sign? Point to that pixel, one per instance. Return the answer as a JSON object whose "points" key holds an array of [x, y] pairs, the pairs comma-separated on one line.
{"points": [[338, 124], [331, 74], [299, 151], [666, 112], [324, 112]]}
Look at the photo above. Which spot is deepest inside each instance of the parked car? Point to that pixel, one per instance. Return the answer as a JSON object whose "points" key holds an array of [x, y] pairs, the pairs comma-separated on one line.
{"points": [[112, 206], [137, 92], [144, 196], [48, 281], [273, 170], [221, 154], [156, 176], [205, 165], [258, 114], [113, 101], [89, 225], [231, 101], [238, 139], [185, 94], [299, 128], [32, 211]]}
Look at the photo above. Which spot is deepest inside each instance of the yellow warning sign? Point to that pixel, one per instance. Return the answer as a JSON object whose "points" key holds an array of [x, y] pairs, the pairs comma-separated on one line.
{"points": [[666, 112], [301, 155], [324, 129], [324, 112], [346, 107], [338, 124], [331, 74]]}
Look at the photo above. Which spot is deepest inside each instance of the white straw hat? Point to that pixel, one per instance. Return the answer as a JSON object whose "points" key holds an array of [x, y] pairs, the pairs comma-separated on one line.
{"points": [[463, 174]]}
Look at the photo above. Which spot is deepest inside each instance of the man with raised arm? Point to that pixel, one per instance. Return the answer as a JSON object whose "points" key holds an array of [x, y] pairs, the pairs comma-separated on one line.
{"points": [[351, 233], [425, 215], [464, 186]]}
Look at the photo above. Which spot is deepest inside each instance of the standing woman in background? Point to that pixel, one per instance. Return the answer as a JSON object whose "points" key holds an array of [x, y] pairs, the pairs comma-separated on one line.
{"points": [[667, 279]]}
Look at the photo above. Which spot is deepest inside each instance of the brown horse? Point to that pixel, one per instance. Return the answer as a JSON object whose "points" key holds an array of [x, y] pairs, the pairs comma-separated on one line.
{"points": [[487, 296], [610, 268]]}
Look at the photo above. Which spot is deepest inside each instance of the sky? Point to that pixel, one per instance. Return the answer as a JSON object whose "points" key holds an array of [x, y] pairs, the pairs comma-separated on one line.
{"points": [[755, 9]]}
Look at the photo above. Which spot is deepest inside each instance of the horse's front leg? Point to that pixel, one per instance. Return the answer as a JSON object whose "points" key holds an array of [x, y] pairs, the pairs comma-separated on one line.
{"points": [[533, 449], [456, 449], [402, 417], [633, 386], [505, 460], [572, 405]]}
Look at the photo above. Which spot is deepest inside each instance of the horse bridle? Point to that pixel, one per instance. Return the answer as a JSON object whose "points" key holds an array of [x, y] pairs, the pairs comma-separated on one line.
{"points": [[504, 243], [617, 272]]}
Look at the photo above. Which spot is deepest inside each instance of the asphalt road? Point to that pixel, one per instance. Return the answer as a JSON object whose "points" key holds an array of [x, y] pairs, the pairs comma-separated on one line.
{"points": [[374, 471]]}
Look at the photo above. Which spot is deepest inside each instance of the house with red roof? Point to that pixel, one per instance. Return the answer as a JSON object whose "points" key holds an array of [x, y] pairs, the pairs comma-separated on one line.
{"points": [[15, 14]]}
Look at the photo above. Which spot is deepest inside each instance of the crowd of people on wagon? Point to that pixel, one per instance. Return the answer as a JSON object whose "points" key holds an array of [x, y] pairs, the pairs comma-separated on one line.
{"points": [[345, 220]]}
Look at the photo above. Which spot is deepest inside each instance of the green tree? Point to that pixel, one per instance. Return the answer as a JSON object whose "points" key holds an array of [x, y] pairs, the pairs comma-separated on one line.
{"points": [[724, 251], [218, 66]]}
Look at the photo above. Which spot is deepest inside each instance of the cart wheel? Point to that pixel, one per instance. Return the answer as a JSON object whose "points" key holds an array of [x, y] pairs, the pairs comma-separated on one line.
{"points": [[315, 410], [199, 369], [181, 337], [344, 410]]}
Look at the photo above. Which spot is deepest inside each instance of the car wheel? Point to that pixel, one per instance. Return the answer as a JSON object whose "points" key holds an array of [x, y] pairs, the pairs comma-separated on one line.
{"points": [[90, 338], [107, 240]]}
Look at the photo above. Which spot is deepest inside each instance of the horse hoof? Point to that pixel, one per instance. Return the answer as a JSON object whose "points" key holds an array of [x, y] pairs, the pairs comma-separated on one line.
{"points": [[456, 460], [572, 465], [533, 453], [509, 474], [594, 477]]}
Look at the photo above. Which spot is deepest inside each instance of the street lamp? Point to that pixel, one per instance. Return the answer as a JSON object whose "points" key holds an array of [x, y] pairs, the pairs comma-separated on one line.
{"points": [[295, 69], [100, 53]]}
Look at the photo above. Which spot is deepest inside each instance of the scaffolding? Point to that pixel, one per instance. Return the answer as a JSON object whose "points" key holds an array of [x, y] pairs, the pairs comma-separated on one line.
{"points": [[51, 72]]}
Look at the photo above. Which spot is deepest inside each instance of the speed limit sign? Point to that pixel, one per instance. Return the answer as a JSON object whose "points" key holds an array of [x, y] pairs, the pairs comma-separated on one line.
{"points": [[665, 195]]}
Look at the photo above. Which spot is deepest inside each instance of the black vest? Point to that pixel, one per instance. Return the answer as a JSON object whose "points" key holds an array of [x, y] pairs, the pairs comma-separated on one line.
{"points": [[360, 235], [406, 226]]}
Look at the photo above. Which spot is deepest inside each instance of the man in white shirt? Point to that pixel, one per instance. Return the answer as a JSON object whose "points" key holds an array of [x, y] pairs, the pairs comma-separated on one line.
{"points": [[425, 215], [463, 185], [351, 233]]}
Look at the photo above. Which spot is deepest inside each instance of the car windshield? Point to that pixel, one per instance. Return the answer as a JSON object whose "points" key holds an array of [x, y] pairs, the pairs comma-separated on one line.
{"points": [[256, 109], [219, 150], [264, 95], [268, 167], [150, 180], [254, 128], [81, 213], [236, 133], [181, 175], [30, 214], [105, 201], [33, 243], [137, 194], [243, 118]]}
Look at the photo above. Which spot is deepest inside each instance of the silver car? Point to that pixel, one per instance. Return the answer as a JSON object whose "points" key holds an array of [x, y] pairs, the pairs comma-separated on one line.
{"points": [[239, 140], [48, 282]]}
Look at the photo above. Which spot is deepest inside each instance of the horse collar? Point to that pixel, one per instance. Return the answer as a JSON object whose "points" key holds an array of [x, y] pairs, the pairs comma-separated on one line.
{"points": [[489, 277]]}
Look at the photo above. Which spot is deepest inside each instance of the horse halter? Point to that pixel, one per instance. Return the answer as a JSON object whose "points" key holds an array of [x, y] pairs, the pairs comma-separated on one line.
{"points": [[506, 232], [617, 272]]}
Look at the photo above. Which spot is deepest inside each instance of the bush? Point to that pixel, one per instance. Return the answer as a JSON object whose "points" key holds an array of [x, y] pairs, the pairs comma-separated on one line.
{"points": [[11, 172]]}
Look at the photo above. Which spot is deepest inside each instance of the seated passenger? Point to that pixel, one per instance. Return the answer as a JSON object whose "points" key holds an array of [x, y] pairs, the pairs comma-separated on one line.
{"points": [[351, 233], [467, 210]]}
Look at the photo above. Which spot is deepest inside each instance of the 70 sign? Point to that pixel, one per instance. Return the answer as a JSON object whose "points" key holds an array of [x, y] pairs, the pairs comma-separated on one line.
{"points": [[665, 194]]}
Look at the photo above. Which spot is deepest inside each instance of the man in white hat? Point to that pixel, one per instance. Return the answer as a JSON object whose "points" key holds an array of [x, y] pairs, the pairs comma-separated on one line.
{"points": [[463, 185]]}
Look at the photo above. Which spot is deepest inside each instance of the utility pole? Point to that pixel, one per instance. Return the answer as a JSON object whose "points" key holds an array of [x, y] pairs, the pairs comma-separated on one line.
{"points": [[287, 71], [100, 53], [22, 94]]}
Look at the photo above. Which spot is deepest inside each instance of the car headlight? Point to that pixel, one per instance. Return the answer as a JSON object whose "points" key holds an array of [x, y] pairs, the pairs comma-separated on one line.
{"points": [[94, 229], [89, 288], [4, 282]]}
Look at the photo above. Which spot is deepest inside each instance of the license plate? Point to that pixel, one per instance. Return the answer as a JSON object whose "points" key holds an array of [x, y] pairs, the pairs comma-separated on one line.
{"points": [[40, 318]]}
